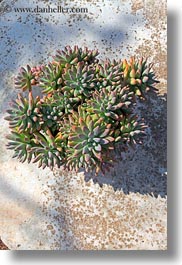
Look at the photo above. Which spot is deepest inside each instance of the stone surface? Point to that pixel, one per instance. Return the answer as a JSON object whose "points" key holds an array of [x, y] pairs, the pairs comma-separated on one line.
{"points": [[41, 209]]}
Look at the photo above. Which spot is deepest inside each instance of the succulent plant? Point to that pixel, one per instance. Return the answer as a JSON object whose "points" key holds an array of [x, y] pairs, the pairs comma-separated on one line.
{"points": [[20, 143], [24, 78], [109, 73], [51, 116], [37, 72], [138, 75], [37, 147], [48, 151], [51, 78], [70, 56], [130, 130], [110, 103], [62, 101], [24, 114], [79, 80], [85, 112], [88, 142]]}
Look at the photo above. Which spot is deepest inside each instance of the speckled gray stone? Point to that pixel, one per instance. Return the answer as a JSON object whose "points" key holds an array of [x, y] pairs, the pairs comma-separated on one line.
{"points": [[127, 207]]}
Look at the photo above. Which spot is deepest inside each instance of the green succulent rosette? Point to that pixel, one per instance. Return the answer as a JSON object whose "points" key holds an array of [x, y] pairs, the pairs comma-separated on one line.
{"points": [[71, 56], [89, 141]]}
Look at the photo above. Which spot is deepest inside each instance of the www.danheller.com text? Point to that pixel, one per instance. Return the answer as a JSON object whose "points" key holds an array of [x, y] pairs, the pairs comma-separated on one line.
{"points": [[49, 9]]}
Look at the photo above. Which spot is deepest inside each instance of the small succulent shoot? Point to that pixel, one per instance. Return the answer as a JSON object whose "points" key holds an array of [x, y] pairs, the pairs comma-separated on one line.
{"points": [[88, 141], [24, 115], [37, 73], [69, 56], [110, 103], [51, 78], [109, 73], [24, 78], [47, 150], [51, 116], [131, 130], [63, 101], [79, 80], [85, 112], [138, 75], [21, 144]]}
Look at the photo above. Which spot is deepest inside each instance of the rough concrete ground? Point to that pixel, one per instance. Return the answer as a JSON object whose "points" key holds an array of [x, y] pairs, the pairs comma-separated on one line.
{"points": [[41, 209]]}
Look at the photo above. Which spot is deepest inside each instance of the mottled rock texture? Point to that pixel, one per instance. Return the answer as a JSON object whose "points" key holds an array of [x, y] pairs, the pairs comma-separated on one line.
{"points": [[127, 208]]}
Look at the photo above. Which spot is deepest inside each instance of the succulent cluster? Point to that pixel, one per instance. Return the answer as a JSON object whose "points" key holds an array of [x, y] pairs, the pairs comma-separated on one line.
{"points": [[84, 113]]}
